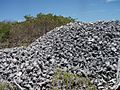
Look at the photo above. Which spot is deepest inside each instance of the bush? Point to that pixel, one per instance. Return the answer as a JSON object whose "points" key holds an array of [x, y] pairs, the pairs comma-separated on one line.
{"points": [[7, 86], [14, 34], [67, 81], [4, 32]]}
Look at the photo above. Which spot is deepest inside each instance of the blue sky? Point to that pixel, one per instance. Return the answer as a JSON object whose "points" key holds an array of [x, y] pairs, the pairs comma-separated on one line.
{"points": [[83, 10]]}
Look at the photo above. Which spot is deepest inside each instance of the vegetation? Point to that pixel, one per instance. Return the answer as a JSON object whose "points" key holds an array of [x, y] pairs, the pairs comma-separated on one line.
{"points": [[67, 81], [4, 31], [61, 81], [7, 86], [14, 34]]}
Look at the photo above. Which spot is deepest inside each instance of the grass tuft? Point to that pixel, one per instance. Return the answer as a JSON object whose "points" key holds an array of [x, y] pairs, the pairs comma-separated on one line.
{"points": [[67, 81], [7, 86]]}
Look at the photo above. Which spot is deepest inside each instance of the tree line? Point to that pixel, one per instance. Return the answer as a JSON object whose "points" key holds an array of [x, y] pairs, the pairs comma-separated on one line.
{"points": [[14, 34]]}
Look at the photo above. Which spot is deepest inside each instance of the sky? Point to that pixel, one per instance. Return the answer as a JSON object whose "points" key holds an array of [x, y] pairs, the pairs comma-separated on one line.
{"points": [[82, 10]]}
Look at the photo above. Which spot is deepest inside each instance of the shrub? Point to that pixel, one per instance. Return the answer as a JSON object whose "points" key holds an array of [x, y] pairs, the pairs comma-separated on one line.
{"points": [[67, 81], [23, 33], [4, 32], [7, 86]]}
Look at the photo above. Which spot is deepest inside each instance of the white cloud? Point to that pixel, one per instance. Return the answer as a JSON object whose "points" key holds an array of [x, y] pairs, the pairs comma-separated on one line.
{"points": [[110, 0]]}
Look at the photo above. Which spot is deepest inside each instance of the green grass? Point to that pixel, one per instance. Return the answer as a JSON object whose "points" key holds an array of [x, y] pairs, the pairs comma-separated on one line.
{"points": [[6, 86], [67, 81]]}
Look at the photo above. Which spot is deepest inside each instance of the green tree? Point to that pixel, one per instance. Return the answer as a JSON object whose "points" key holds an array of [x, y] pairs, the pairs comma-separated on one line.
{"points": [[28, 17]]}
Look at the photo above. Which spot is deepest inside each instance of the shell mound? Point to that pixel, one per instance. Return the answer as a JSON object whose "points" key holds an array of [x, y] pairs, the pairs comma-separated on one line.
{"points": [[91, 49]]}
